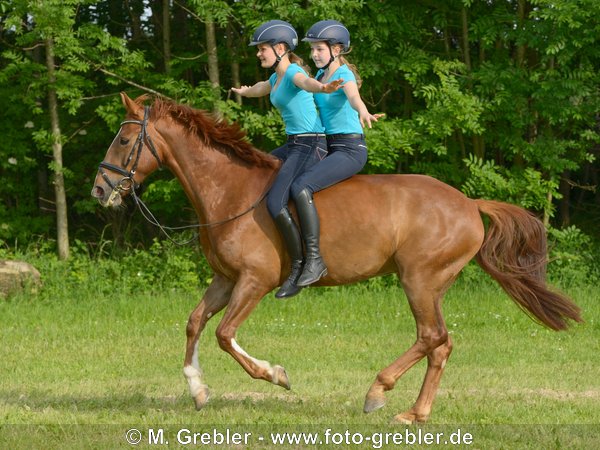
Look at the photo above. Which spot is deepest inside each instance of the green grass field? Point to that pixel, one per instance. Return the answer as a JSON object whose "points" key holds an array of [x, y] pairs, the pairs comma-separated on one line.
{"points": [[81, 367]]}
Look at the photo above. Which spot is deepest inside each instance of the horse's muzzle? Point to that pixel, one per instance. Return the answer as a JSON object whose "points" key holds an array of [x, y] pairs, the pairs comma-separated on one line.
{"points": [[107, 199], [98, 192]]}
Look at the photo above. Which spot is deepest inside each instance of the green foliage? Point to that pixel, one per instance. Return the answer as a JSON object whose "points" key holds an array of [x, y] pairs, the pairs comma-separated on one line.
{"points": [[163, 267], [24, 81], [20, 175], [509, 113], [212, 10], [573, 258], [572, 253], [387, 141], [448, 106], [525, 187], [448, 110], [167, 199], [267, 127]]}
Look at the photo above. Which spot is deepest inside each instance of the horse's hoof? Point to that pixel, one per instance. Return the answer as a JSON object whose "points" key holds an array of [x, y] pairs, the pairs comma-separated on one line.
{"points": [[373, 403], [409, 418], [403, 419], [201, 398], [280, 377]]}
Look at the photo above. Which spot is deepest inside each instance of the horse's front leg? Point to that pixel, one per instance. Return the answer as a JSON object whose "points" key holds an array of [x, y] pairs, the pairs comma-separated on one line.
{"points": [[248, 292], [214, 300]]}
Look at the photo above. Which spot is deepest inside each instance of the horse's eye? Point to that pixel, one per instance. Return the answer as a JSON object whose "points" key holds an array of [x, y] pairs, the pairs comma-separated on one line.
{"points": [[124, 141]]}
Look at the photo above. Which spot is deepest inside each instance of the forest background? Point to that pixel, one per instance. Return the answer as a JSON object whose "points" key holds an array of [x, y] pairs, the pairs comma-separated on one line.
{"points": [[499, 98]]}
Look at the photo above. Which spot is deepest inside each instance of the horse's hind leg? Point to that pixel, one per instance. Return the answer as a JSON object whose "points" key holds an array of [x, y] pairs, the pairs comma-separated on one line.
{"points": [[425, 292], [214, 300], [436, 361]]}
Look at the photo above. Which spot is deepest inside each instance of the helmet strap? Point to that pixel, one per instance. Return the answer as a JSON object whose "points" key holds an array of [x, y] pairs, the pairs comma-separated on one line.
{"points": [[331, 57], [278, 57]]}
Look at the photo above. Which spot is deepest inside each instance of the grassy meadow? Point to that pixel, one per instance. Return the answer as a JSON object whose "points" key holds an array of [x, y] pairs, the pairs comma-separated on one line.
{"points": [[80, 367]]}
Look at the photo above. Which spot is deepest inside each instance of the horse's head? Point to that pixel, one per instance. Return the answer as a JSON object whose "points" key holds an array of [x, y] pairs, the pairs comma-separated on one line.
{"points": [[131, 157]]}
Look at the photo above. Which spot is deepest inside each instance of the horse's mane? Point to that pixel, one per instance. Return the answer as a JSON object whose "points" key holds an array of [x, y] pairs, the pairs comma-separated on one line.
{"points": [[216, 131]]}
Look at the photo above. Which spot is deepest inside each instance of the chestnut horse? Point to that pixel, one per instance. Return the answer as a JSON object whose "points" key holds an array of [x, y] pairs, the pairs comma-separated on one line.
{"points": [[412, 225]]}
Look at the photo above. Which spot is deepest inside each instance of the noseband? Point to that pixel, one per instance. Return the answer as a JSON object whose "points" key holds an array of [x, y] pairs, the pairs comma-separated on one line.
{"points": [[127, 182]]}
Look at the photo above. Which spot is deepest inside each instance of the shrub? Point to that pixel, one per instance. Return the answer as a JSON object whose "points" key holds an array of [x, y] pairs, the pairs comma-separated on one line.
{"points": [[572, 257], [162, 267]]}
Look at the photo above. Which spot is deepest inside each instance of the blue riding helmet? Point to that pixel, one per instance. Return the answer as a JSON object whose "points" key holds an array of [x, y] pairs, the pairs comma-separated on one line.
{"points": [[330, 31], [275, 32]]}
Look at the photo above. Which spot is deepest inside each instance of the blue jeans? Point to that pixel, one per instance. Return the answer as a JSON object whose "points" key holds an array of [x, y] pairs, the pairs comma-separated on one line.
{"points": [[299, 154], [347, 156]]}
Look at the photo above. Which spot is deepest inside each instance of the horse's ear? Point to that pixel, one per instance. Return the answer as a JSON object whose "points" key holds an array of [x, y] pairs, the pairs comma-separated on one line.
{"points": [[130, 105]]}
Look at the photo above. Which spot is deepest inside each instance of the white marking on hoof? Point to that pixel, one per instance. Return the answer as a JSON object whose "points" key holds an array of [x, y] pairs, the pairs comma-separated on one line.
{"points": [[194, 379], [402, 420]]}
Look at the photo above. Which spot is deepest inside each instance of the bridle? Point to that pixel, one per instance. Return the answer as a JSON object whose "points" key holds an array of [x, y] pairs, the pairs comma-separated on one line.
{"points": [[128, 183]]}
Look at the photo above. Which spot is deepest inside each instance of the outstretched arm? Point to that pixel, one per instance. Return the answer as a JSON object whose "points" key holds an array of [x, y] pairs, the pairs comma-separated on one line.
{"points": [[365, 117], [312, 85], [259, 89]]}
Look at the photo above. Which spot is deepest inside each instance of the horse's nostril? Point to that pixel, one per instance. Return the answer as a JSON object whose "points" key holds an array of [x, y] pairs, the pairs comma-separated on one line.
{"points": [[97, 192]]}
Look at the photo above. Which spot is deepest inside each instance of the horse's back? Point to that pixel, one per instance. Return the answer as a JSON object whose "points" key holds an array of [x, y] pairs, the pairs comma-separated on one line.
{"points": [[371, 224]]}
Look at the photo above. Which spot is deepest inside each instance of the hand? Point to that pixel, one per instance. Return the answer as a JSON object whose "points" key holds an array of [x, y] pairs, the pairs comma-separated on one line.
{"points": [[241, 90], [367, 117], [332, 86]]}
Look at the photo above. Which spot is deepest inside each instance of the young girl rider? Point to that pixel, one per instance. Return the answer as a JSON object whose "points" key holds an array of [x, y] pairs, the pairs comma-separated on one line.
{"points": [[343, 114], [290, 90]]}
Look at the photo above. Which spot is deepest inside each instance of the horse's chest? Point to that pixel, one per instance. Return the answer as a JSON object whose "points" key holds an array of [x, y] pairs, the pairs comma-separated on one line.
{"points": [[221, 256]]}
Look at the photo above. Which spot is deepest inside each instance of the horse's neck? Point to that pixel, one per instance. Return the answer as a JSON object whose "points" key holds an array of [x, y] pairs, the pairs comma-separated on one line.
{"points": [[219, 185]]}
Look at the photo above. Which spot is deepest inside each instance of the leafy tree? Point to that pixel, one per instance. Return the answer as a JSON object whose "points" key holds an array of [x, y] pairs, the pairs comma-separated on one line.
{"points": [[50, 65], [499, 98]]}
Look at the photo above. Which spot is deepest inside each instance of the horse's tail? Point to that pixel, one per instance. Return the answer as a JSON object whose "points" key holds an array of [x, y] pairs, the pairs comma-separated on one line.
{"points": [[514, 253]]}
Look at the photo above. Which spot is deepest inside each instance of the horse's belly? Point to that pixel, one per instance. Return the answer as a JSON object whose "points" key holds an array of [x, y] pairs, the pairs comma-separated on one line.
{"points": [[357, 254]]}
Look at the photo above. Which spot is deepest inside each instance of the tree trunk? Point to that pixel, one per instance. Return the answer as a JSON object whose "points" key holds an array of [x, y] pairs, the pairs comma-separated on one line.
{"points": [[408, 106], [546, 218], [62, 226], [521, 12], [136, 23], [45, 203], [465, 39], [565, 190], [211, 49], [180, 32], [166, 35], [477, 141], [235, 62]]}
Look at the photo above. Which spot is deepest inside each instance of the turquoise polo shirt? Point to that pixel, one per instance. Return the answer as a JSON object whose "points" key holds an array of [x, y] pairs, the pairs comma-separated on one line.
{"points": [[337, 114], [297, 106]]}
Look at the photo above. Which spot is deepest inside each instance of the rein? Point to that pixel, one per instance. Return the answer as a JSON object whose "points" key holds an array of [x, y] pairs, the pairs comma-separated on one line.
{"points": [[127, 183], [152, 219]]}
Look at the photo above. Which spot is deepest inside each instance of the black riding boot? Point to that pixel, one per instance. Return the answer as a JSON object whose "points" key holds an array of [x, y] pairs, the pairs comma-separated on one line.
{"points": [[291, 236], [314, 267]]}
